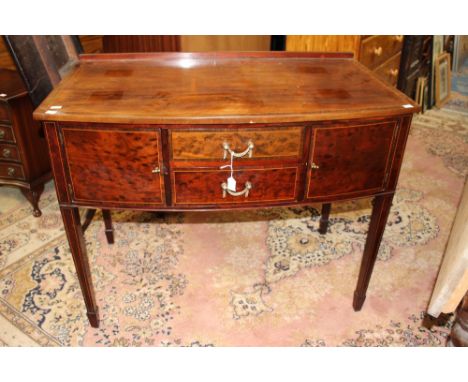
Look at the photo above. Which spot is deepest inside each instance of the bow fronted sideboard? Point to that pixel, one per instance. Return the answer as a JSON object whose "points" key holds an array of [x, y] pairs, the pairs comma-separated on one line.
{"points": [[219, 131]]}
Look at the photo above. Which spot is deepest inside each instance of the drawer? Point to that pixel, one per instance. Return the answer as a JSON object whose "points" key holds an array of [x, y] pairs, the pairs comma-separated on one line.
{"points": [[388, 71], [376, 50], [4, 112], [11, 171], [214, 144], [6, 134], [9, 152], [350, 160], [205, 187], [118, 166]]}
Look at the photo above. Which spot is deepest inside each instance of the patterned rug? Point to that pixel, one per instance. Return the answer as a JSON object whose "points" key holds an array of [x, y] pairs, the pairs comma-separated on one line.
{"points": [[255, 278]]}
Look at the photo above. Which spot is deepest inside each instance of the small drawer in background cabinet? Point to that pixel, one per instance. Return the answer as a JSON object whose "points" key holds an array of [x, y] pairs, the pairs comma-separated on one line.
{"points": [[4, 112], [6, 134], [11, 171], [9, 152], [376, 50], [388, 71]]}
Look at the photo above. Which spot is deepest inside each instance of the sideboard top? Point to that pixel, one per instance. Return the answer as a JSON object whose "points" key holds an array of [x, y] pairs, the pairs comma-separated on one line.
{"points": [[197, 88]]}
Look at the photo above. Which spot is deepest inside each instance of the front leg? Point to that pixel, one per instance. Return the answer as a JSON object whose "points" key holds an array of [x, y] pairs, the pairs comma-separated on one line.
{"points": [[71, 220], [380, 211]]}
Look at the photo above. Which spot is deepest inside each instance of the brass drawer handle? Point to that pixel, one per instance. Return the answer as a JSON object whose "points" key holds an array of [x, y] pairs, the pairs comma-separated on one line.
{"points": [[2, 134], [248, 150], [394, 72], [11, 171], [6, 153], [399, 38], [156, 170], [314, 166], [378, 51], [245, 191]]}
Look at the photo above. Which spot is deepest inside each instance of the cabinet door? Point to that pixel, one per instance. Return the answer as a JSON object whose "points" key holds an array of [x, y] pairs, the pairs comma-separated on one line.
{"points": [[350, 160], [117, 167]]}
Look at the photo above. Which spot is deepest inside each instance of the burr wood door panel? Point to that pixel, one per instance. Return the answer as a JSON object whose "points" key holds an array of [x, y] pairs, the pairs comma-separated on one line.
{"points": [[350, 160], [120, 167]]}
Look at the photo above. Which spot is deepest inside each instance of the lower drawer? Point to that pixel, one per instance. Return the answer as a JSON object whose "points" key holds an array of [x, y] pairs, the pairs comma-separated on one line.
{"points": [[207, 187], [11, 171]]}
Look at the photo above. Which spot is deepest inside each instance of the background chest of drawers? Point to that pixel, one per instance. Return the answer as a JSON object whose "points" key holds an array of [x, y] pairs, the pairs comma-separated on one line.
{"points": [[24, 159], [380, 53]]}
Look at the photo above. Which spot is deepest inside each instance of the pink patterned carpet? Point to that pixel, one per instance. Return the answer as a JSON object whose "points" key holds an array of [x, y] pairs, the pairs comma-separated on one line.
{"points": [[258, 278]]}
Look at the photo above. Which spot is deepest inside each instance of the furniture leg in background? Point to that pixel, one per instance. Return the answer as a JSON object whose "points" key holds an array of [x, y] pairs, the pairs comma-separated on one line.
{"points": [[459, 333], [380, 211], [109, 230], [33, 196], [450, 290], [73, 228], [108, 224], [88, 219], [326, 208]]}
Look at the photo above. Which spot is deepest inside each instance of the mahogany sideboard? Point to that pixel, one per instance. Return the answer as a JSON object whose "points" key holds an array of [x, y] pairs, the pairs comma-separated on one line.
{"points": [[159, 131]]}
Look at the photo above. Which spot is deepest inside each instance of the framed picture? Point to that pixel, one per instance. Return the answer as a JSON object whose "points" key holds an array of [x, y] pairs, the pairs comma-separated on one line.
{"points": [[442, 79], [437, 50]]}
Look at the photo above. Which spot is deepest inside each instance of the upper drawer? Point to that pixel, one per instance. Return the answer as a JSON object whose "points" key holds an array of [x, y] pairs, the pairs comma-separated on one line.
{"points": [[4, 112], [378, 49], [6, 134], [256, 143]]}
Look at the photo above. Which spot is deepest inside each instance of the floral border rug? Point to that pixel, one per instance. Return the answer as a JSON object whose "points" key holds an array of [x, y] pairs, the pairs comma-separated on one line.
{"points": [[252, 278]]}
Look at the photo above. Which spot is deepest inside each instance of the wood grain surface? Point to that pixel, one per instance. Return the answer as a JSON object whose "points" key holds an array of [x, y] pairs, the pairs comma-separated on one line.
{"points": [[208, 144], [114, 166], [196, 88], [4, 112], [204, 186], [350, 159]]}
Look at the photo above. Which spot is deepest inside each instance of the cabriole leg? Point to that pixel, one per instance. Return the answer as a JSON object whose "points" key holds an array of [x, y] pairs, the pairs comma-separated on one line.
{"points": [[33, 196]]}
